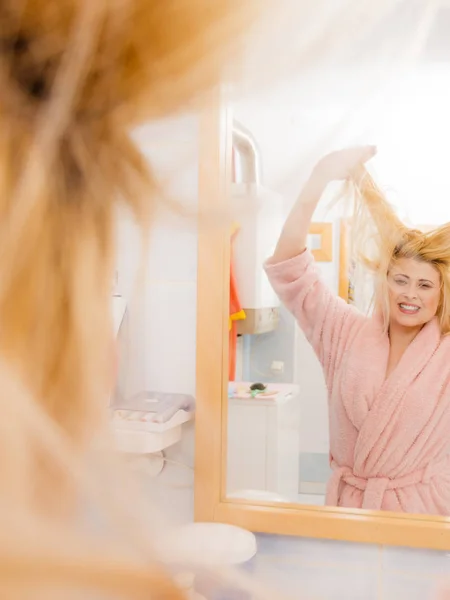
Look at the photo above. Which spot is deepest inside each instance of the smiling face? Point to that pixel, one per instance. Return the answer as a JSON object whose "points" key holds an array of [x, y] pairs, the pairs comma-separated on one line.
{"points": [[414, 292]]}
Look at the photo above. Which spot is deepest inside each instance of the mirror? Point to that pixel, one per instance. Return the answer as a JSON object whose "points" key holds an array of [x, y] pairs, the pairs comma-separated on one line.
{"points": [[273, 452], [285, 442]]}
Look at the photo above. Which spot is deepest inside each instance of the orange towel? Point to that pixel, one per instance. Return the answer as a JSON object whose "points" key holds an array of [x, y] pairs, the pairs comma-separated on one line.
{"points": [[236, 314]]}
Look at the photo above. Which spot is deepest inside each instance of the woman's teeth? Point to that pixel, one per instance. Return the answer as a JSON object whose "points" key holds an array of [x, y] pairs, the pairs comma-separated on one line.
{"points": [[409, 308]]}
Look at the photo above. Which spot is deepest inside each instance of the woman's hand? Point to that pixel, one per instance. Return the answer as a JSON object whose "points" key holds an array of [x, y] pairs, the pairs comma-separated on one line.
{"points": [[343, 164]]}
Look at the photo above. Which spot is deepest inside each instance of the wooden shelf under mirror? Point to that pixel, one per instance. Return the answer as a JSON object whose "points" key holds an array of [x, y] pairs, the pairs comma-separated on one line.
{"points": [[211, 502]]}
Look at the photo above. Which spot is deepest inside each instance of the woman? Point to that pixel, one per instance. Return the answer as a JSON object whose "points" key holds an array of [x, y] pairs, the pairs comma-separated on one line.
{"points": [[77, 76], [388, 375]]}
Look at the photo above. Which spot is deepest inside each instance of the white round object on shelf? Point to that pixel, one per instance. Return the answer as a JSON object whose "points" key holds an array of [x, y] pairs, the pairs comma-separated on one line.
{"points": [[213, 544]]}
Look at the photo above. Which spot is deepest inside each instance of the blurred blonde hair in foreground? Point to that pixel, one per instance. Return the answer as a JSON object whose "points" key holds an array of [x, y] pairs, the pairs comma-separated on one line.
{"points": [[76, 77]]}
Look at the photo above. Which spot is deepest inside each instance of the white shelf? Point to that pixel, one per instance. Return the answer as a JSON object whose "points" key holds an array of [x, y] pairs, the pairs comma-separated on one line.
{"points": [[144, 442], [146, 438]]}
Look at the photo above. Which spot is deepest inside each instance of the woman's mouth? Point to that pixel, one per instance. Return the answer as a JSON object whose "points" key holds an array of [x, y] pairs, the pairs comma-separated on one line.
{"points": [[408, 309]]}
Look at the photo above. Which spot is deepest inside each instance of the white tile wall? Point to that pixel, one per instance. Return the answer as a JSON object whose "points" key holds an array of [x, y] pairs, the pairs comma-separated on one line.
{"points": [[162, 308], [172, 253], [396, 587], [409, 560], [315, 551], [311, 569], [318, 582], [170, 336]]}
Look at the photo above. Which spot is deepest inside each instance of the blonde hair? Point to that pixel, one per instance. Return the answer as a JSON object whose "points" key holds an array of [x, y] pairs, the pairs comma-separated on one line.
{"points": [[380, 238], [76, 77]]}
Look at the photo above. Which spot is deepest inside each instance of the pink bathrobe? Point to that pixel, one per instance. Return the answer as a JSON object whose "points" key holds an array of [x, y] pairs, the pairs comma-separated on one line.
{"points": [[389, 438]]}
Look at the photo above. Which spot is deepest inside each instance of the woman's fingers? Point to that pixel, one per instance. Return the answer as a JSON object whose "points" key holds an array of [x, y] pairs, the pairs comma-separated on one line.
{"points": [[368, 152]]}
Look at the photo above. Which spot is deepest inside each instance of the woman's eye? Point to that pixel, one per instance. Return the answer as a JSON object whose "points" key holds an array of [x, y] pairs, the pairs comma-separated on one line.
{"points": [[426, 286], [400, 281]]}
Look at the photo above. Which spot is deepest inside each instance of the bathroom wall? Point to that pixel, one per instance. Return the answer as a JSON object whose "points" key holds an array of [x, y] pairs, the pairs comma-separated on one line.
{"points": [[310, 569], [162, 309]]}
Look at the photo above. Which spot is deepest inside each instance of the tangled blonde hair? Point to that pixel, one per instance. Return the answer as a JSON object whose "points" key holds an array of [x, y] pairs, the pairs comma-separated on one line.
{"points": [[380, 239], [76, 77]]}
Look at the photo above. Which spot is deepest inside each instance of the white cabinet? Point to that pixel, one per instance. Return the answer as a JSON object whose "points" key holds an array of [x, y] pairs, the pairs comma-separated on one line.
{"points": [[263, 443]]}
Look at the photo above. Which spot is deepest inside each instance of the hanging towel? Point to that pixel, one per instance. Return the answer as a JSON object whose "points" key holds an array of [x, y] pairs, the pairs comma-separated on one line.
{"points": [[236, 313]]}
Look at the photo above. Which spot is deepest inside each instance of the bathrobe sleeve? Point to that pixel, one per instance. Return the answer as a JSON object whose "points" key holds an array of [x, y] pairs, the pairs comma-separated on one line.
{"points": [[326, 319]]}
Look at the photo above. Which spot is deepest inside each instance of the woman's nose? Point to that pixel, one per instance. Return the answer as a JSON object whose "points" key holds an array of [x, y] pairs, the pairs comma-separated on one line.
{"points": [[411, 292]]}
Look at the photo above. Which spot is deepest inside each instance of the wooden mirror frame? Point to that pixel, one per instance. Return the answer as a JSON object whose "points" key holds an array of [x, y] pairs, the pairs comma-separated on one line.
{"points": [[210, 502]]}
